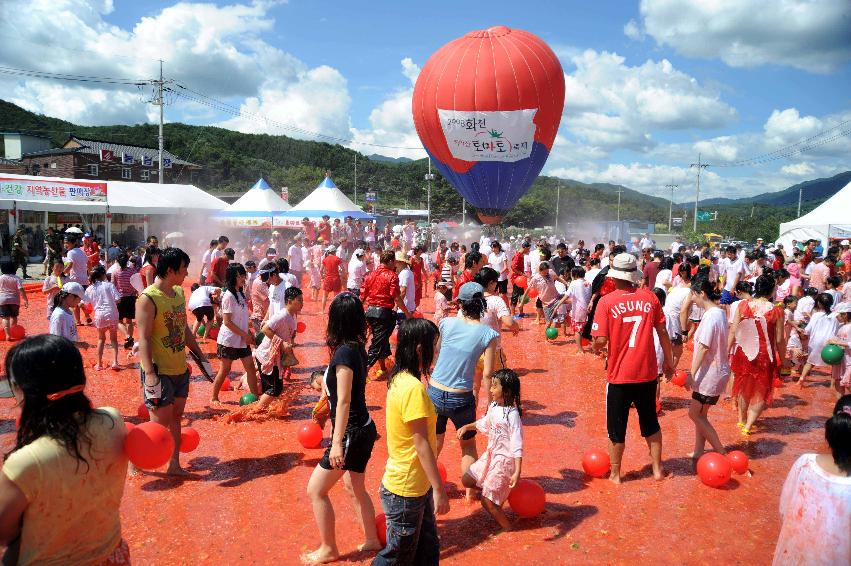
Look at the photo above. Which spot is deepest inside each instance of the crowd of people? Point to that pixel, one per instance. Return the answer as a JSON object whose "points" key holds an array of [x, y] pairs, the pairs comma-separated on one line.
{"points": [[746, 315]]}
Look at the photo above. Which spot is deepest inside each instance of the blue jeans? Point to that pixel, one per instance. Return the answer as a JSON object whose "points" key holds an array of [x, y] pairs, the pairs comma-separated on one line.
{"points": [[411, 530], [460, 408]]}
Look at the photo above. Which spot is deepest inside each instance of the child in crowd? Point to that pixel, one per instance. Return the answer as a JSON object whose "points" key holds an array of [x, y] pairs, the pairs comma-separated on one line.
{"points": [[62, 321], [441, 301], [579, 295], [840, 375], [11, 294], [235, 339], [274, 356], [832, 286], [544, 283], [657, 346], [52, 285], [561, 317], [819, 329], [200, 304], [794, 344], [710, 368], [104, 297], [805, 305], [497, 471]]}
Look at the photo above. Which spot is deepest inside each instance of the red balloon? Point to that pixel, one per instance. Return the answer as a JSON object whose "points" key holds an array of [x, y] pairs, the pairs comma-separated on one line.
{"points": [[17, 332], [310, 435], [143, 413], [596, 463], [680, 377], [520, 281], [381, 528], [149, 445], [226, 385], [713, 469], [213, 333], [441, 469], [189, 439], [532, 292], [88, 308], [738, 461], [394, 242], [586, 342], [300, 327], [527, 499]]}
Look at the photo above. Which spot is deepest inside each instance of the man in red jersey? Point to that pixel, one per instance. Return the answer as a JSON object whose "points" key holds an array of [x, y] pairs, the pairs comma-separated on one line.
{"points": [[625, 320]]}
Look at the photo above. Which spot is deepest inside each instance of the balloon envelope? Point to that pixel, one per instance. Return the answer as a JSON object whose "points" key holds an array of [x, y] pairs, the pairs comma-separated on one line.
{"points": [[487, 107]]}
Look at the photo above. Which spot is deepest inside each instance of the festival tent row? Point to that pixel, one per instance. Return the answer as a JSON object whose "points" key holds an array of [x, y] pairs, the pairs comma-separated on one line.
{"points": [[326, 199], [831, 219], [255, 209], [107, 198]]}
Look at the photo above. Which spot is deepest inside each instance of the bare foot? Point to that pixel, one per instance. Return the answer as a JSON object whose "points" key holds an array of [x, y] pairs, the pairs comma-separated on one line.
{"points": [[615, 478], [370, 545], [662, 475], [695, 455], [320, 556]]}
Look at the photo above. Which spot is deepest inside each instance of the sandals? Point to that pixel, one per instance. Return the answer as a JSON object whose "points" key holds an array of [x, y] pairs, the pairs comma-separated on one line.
{"points": [[99, 367], [115, 367]]}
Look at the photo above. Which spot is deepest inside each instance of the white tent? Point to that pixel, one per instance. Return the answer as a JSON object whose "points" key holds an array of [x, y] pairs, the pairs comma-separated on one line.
{"points": [[256, 208], [831, 219], [326, 199]]}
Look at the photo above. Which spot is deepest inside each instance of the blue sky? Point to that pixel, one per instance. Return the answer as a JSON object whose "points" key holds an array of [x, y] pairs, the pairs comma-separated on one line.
{"points": [[649, 84]]}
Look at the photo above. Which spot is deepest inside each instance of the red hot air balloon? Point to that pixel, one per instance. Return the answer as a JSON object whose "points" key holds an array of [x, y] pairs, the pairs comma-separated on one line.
{"points": [[487, 107]]}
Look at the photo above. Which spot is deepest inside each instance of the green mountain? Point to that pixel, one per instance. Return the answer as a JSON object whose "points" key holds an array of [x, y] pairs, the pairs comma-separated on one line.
{"points": [[816, 190]]}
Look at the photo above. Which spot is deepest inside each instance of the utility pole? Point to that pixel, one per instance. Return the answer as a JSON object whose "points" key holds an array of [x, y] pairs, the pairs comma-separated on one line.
{"points": [[699, 167], [356, 178], [619, 191], [463, 211], [159, 100], [671, 186], [429, 178], [800, 195], [558, 198]]}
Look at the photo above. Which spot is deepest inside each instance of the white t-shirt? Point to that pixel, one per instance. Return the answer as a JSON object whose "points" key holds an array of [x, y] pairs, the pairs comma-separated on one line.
{"points": [[10, 286], [675, 247], [731, 272], [104, 297], [534, 261], [591, 274], [494, 311], [239, 318], [79, 266], [406, 279], [499, 263], [357, 272], [664, 276], [62, 323], [579, 292], [283, 324], [205, 262], [276, 299], [712, 375], [672, 308], [296, 258], [814, 511], [200, 297]]}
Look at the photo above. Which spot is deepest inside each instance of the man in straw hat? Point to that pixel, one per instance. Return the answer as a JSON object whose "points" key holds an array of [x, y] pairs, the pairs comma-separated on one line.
{"points": [[625, 320]]}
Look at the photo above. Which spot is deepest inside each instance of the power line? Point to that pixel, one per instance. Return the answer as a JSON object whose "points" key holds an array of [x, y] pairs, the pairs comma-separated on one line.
{"points": [[69, 77]]}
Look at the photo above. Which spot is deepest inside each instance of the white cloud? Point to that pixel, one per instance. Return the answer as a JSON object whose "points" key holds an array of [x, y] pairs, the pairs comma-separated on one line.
{"points": [[213, 49], [632, 30], [613, 105], [813, 36], [392, 124], [802, 169]]}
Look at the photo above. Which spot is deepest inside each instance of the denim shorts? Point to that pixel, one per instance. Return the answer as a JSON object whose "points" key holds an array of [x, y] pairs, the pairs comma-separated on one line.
{"points": [[411, 530], [174, 386], [460, 408]]}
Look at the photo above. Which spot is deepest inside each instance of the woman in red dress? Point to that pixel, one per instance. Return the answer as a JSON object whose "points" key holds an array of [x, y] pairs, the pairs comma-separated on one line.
{"points": [[418, 267], [757, 343], [332, 281]]}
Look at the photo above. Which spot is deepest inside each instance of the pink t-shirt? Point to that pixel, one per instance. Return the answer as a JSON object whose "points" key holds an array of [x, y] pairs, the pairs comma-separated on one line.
{"points": [[283, 324], [545, 286], [10, 286]]}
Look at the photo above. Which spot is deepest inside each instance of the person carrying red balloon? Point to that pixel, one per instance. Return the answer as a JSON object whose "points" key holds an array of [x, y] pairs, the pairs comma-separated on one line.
{"points": [[62, 483], [11, 294], [163, 338], [497, 471], [624, 319]]}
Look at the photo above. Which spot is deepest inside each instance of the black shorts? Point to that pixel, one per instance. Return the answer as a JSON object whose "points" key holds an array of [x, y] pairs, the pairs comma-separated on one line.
{"points": [[357, 448], [9, 311], [516, 293], [127, 308], [229, 353], [204, 312], [704, 399], [619, 398], [539, 304], [271, 384], [502, 287]]}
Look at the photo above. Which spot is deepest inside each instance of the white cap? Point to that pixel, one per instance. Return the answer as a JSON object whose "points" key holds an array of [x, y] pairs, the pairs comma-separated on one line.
{"points": [[331, 249], [845, 243], [74, 288], [358, 251]]}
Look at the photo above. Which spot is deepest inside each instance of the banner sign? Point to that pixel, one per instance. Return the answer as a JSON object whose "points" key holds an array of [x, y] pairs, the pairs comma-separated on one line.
{"points": [[166, 163], [147, 161], [60, 191], [245, 222], [127, 158], [489, 136], [107, 155], [370, 197]]}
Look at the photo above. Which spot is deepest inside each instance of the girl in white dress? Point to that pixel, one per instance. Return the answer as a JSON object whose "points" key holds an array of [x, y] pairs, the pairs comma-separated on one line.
{"points": [[819, 330], [104, 297]]}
